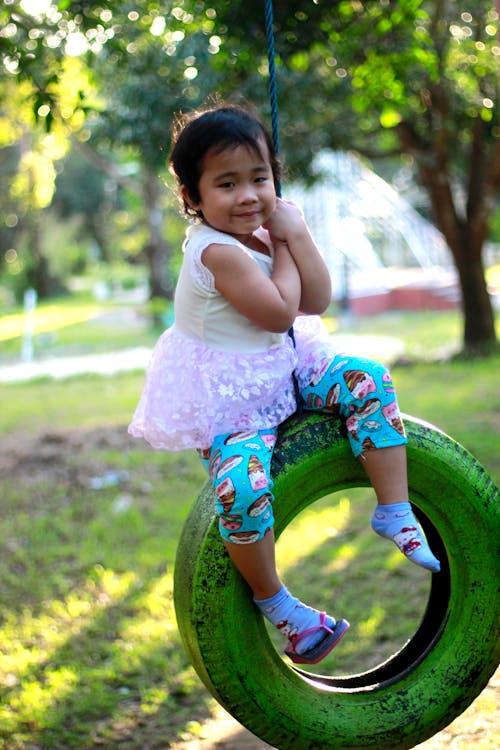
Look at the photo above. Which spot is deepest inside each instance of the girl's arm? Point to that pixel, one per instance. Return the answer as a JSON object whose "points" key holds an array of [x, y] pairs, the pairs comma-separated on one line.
{"points": [[270, 303], [287, 225]]}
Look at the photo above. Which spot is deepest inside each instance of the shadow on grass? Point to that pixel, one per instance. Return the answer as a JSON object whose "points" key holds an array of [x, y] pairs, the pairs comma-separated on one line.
{"points": [[109, 674]]}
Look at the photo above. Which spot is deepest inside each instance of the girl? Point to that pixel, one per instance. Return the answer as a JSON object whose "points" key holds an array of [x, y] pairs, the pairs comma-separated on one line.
{"points": [[221, 378]]}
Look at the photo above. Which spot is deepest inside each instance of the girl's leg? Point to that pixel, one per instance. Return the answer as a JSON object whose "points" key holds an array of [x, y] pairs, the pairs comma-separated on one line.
{"points": [[311, 634], [386, 470], [239, 465], [362, 391], [393, 518], [257, 564]]}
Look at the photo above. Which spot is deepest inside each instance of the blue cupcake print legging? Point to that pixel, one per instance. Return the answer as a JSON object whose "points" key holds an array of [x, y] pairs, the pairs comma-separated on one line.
{"points": [[359, 390]]}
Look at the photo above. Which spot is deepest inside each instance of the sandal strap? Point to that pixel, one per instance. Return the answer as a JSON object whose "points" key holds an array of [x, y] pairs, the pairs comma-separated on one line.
{"points": [[294, 639]]}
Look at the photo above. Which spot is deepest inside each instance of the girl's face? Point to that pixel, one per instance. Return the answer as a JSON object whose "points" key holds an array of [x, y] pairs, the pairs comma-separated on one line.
{"points": [[236, 190]]}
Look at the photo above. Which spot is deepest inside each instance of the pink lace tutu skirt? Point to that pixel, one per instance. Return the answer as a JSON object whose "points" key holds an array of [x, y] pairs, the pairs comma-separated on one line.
{"points": [[193, 392]]}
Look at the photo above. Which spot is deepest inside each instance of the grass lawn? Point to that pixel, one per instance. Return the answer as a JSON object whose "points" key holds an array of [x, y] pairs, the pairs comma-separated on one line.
{"points": [[90, 655], [76, 325]]}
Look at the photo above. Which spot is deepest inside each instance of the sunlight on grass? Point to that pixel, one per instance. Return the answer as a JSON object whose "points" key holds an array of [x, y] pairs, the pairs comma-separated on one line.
{"points": [[310, 531], [43, 635], [395, 560], [152, 700], [158, 596], [41, 688], [369, 627], [157, 615], [344, 554], [35, 702], [47, 319], [60, 620]]}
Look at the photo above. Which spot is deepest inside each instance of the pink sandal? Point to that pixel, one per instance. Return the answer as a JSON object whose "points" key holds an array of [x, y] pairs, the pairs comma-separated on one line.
{"points": [[321, 649]]}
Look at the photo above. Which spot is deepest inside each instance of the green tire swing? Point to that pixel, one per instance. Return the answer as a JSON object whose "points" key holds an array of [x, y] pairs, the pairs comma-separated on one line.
{"points": [[418, 690]]}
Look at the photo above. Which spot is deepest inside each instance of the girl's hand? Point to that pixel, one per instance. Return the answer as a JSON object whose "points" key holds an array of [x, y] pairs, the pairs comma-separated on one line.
{"points": [[287, 222], [287, 225]]}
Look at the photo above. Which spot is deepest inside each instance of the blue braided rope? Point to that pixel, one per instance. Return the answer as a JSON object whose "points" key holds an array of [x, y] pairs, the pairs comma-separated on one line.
{"points": [[273, 86], [273, 97]]}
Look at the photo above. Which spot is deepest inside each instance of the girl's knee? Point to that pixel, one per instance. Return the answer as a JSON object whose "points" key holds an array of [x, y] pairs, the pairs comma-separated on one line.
{"points": [[239, 535], [247, 518]]}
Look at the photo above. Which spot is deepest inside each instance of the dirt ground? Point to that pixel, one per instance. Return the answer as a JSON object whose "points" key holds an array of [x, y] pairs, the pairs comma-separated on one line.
{"points": [[48, 457]]}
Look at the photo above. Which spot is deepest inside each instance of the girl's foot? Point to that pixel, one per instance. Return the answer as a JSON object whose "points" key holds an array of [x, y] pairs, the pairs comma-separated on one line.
{"points": [[397, 522], [329, 640], [311, 634]]}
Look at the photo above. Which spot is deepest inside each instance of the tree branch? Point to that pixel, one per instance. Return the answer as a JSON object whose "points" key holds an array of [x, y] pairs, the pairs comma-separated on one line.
{"points": [[107, 166]]}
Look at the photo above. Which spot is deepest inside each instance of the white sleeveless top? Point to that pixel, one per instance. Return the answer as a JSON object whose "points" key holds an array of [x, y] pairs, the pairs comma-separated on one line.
{"points": [[202, 313]]}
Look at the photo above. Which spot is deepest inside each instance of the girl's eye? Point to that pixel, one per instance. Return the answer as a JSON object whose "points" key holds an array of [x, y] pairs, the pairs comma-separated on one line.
{"points": [[226, 185]]}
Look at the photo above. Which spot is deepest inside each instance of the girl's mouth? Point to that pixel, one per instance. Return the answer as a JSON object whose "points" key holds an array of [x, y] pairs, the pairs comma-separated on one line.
{"points": [[248, 214]]}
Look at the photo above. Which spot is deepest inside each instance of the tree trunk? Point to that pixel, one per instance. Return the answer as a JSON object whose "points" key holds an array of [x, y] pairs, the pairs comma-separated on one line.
{"points": [[465, 236], [479, 323], [465, 239], [156, 250], [39, 276], [466, 246], [96, 227]]}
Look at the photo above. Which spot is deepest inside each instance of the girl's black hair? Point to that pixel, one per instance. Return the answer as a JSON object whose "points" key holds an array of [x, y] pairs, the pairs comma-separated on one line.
{"points": [[215, 130]]}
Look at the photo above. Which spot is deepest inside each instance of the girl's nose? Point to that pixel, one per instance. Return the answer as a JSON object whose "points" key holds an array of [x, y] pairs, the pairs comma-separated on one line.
{"points": [[247, 194]]}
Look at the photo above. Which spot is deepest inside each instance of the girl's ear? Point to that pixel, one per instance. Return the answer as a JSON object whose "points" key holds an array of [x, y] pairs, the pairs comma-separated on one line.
{"points": [[187, 199]]}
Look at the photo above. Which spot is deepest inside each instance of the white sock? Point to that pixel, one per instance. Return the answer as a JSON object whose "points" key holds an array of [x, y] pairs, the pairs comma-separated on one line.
{"points": [[292, 617], [398, 523]]}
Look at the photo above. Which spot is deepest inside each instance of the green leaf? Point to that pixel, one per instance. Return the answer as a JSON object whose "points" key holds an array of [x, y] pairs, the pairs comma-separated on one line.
{"points": [[390, 117]]}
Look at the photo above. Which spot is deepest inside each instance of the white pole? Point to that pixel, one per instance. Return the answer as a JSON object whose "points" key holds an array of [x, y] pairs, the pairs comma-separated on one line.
{"points": [[30, 298]]}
